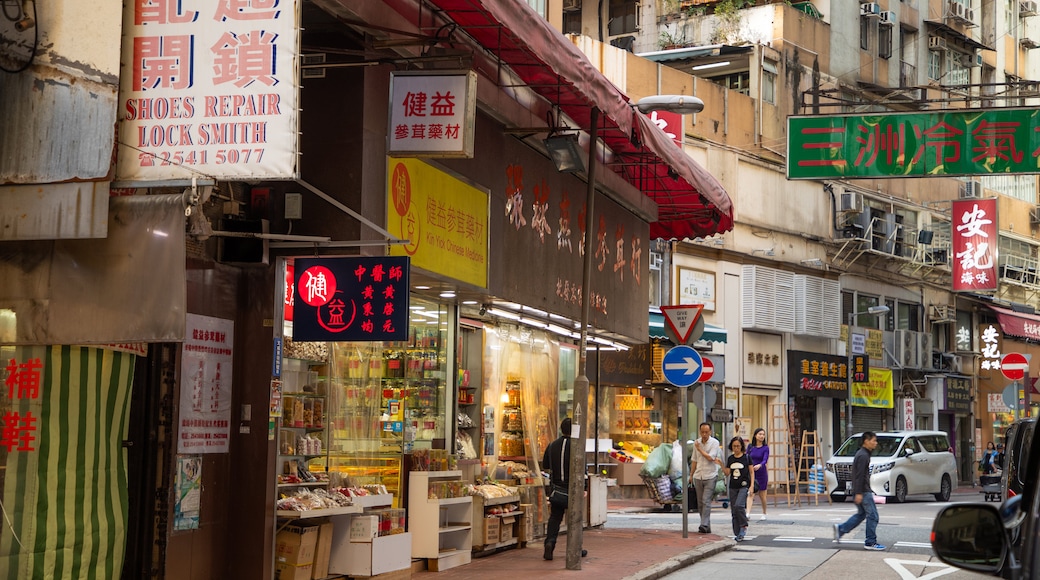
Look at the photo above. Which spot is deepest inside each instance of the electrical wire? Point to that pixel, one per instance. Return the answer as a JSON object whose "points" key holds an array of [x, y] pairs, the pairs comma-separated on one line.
{"points": [[17, 15], [35, 45]]}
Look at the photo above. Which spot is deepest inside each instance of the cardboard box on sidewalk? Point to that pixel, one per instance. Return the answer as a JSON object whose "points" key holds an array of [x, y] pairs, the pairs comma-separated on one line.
{"points": [[506, 529], [492, 526], [295, 545]]}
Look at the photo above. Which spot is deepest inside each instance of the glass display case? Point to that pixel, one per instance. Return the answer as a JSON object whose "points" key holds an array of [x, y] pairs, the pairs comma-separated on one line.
{"points": [[388, 398]]}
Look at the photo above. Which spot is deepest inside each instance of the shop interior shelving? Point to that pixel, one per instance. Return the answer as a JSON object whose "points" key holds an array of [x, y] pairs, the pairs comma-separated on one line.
{"points": [[304, 419], [441, 527]]}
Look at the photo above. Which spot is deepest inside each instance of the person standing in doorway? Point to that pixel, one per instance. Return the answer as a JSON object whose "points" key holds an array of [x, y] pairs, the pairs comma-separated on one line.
{"points": [[863, 496], [706, 458], [758, 451], [738, 476], [557, 461]]}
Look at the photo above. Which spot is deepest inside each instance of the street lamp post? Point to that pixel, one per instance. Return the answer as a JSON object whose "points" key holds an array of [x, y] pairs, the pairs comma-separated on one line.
{"points": [[875, 311], [576, 501]]}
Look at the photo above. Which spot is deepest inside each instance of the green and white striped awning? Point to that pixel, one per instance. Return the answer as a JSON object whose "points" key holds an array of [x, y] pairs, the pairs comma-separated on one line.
{"points": [[712, 333]]}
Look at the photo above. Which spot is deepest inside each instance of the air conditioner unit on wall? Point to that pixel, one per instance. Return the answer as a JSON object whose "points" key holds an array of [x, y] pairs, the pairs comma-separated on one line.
{"points": [[971, 190], [888, 18], [1027, 8], [971, 60], [959, 364], [850, 201], [924, 349], [907, 349], [569, 5], [941, 313], [870, 9], [1034, 216], [936, 43]]}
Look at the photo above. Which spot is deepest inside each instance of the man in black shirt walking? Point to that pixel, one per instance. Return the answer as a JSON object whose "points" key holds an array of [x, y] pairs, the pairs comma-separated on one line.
{"points": [[557, 461], [864, 497]]}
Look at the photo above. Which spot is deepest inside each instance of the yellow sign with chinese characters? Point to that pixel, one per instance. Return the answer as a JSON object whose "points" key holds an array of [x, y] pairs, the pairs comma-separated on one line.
{"points": [[876, 393], [444, 219]]}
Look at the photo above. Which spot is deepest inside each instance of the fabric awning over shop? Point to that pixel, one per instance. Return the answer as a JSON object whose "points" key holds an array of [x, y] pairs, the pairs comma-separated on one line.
{"points": [[1018, 324], [712, 333], [691, 202]]}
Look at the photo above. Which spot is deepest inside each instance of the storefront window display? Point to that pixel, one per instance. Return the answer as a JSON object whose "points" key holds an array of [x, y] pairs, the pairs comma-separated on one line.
{"points": [[387, 398], [521, 374]]}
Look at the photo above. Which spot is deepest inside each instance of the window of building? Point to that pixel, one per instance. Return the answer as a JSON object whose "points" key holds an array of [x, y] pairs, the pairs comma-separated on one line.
{"points": [[1017, 186], [538, 6], [769, 82], [656, 279], [885, 42], [1009, 16], [622, 17], [572, 22], [934, 65], [740, 82], [864, 33]]}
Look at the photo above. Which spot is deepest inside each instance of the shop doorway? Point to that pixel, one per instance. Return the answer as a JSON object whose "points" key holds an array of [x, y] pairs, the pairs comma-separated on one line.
{"points": [[755, 408], [148, 444]]}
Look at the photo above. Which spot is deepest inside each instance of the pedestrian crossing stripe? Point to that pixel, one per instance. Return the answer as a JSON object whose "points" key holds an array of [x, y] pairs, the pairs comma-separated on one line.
{"points": [[792, 539], [904, 574], [913, 544]]}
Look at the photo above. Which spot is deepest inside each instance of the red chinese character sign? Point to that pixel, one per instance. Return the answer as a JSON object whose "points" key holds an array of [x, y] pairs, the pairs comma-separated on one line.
{"points": [[351, 299], [208, 88], [914, 144], [432, 113], [974, 224], [204, 421]]}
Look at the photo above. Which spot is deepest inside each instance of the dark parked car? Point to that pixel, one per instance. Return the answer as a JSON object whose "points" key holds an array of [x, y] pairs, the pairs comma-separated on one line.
{"points": [[1002, 541], [1019, 439]]}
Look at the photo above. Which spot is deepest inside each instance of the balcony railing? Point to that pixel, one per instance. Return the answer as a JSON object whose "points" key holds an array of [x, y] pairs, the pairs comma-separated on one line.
{"points": [[907, 75]]}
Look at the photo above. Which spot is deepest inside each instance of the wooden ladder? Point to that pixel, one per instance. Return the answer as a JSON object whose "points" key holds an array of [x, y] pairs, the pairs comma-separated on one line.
{"points": [[810, 465], [779, 453]]}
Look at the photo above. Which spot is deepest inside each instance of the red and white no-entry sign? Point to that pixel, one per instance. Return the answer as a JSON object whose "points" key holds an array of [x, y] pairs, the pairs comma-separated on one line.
{"points": [[707, 370], [1014, 365]]}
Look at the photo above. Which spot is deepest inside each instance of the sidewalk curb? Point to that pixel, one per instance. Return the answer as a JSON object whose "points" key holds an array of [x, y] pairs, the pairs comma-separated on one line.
{"points": [[683, 560]]}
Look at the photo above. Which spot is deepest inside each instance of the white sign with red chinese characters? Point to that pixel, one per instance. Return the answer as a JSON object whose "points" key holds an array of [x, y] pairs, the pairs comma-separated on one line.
{"points": [[908, 414], [205, 407], [208, 89], [432, 113], [974, 245]]}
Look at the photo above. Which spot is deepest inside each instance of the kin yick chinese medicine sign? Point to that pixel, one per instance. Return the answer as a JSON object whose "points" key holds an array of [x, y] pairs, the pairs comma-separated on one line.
{"points": [[967, 142], [351, 299]]}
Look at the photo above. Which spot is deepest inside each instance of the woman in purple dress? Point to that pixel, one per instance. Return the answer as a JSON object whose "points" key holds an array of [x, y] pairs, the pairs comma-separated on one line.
{"points": [[758, 451]]}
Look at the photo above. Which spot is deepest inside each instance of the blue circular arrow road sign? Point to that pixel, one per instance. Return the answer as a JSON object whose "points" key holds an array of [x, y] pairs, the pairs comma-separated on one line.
{"points": [[682, 366]]}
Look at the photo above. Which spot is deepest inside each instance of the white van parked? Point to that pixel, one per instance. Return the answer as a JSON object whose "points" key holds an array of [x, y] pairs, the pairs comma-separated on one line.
{"points": [[903, 463]]}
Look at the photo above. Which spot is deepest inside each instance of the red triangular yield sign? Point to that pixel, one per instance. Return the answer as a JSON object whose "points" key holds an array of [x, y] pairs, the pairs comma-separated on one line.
{"points": [[682, 319]]}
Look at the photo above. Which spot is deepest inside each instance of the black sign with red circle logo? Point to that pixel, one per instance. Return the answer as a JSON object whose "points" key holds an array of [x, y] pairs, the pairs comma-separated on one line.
{"points": [[351, 299]]}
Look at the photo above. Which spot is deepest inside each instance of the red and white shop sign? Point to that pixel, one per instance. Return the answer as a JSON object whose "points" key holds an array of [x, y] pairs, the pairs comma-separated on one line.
{"points": [[204, 421], [974, 245], [670, 123], [432, 113], [208, 89], [288, 298]]}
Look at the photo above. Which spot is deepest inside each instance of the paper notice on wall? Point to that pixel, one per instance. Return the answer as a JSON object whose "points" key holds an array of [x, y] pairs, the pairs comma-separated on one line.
{"points": [[204, 423]]}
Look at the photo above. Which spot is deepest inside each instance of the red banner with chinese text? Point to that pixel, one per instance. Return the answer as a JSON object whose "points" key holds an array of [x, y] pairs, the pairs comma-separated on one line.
{"points": [[974, 245]]}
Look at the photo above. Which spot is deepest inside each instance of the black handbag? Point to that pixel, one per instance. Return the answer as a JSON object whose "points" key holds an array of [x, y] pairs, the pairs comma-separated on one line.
{"points": [[558, 496]]}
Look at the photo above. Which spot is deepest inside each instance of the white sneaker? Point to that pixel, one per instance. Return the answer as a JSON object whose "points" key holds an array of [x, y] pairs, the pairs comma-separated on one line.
{"points": [[763, 518]]}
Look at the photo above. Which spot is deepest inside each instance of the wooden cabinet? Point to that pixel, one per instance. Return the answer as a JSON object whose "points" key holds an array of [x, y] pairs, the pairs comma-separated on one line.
{"points": [[441, 526]]}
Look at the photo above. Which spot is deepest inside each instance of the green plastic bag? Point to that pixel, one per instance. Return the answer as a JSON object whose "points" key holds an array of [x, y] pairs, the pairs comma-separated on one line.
{"points": [[720, 487], [658, 462]]}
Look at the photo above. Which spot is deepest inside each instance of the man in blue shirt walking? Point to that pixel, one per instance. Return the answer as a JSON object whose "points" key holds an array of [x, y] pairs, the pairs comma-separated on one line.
{"points": [[864, 497]]}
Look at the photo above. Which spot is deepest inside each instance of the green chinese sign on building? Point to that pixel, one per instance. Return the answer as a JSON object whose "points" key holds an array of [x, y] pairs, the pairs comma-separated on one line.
{"points": [[964, 142]]}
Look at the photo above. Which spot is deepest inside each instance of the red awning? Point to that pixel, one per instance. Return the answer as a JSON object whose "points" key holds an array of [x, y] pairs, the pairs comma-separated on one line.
{"points": [[1017, 324], [691, 202]]}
